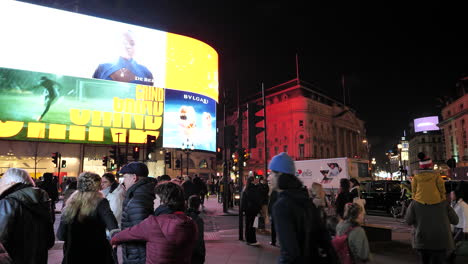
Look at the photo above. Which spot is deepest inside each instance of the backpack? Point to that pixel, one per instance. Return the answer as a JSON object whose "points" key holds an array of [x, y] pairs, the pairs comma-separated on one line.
{"points": [[340, 243]]}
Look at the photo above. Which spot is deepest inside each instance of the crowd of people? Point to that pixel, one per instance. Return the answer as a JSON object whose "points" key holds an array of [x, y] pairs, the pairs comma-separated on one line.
{"points": [[156, 220], [152, 220]]}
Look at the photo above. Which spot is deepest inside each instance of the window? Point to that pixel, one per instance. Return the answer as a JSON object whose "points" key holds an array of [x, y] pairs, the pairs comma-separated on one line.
{"points": [[301, 136], [321, 152], [285, 148], [260, 153], [301, 151], [276, 150], [268, 153], [301, 123], [423, 140], [203, 164], [315, 151]]}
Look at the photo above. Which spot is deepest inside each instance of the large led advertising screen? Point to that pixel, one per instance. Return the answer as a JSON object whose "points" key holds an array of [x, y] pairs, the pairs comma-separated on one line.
{"points": [[60, 69], [426, 124]]}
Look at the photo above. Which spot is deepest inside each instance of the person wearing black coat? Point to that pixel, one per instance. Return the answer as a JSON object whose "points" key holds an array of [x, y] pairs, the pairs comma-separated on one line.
{"points": [[26, 227], [189, 188], [271, 202], [344, 197], [199, 251], [137, 206], [300, 231], [251, 203]]}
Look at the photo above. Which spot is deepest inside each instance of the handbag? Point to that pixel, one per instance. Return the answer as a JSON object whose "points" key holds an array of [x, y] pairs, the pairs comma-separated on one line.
{"points": [[255, 223]]}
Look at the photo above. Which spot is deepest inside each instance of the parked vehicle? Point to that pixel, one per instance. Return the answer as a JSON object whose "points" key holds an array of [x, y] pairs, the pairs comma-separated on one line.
{"points": [[381, 195], [328, 172]]}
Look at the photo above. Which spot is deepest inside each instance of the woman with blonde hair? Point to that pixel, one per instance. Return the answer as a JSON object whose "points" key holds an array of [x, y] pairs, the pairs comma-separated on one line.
{"points": [[317, 194], [85, 218]]}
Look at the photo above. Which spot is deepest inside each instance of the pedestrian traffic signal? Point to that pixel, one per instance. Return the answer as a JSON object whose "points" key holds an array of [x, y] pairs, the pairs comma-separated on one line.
{"points": [[150, 145], [104, 161], [168, 158], [231, 140], [136, 153], [252, 120], [219, 153], [113, 153], [55, 158], [64, 163]]}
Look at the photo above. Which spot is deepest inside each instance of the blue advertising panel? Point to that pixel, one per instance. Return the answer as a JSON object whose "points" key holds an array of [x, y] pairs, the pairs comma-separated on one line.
{"points": [[189, 121]]}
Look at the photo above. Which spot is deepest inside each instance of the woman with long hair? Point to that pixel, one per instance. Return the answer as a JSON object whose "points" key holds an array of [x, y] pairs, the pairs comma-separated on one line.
{"points": [[343, 198], [357, 239], [84, 221]]}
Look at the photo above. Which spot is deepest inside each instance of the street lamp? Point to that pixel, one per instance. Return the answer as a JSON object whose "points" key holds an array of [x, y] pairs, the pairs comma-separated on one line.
{"points": [[187, 149]]}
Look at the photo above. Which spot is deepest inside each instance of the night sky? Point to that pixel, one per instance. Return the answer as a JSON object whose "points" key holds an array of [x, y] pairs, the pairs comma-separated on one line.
{"points": [[396, 58]]}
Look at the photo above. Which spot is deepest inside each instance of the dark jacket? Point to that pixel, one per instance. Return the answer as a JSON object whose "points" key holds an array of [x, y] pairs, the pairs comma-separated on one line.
{"points": [[88, 238], [189, 189], [431, 223], [26, 227], [342, 199], [169, 238], [251, 200], [300, 230], [51, 188], [272, 201], [137, 206], [199, 251], [264, 189]]}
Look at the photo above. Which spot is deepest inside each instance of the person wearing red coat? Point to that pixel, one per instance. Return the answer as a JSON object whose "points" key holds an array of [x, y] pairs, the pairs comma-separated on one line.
{"points": [[170, 235]]}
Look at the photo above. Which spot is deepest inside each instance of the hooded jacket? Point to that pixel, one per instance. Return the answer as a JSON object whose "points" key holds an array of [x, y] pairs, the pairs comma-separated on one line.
{"points": [[428, 187], [292, 224], [169, 238], [26, 227], [137, 206]]}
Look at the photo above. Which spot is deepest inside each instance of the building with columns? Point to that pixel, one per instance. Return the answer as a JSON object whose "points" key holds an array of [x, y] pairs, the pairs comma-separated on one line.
{"points": [[306, 124], [454, 127]]}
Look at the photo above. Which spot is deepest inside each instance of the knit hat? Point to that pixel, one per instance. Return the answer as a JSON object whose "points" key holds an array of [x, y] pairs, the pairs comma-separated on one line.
{"points": [[283, 163], [89, 182], [138, 168], [425, 162]]}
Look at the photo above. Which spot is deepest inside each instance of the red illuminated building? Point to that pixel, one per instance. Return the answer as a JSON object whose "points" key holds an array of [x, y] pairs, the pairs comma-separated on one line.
{"points": [[306, 124]]}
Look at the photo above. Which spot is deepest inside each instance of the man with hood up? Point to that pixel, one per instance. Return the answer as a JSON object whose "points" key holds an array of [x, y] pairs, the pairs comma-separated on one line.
{"points": [[26, 227], [302, 235]]}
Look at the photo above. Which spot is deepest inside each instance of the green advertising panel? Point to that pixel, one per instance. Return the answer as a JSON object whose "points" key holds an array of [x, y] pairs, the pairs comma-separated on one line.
{"points": [[41, 106]]}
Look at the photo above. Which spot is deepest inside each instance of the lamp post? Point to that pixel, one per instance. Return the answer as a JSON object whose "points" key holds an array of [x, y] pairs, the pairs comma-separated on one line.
{"points": [[400, 147], [187, 149]]}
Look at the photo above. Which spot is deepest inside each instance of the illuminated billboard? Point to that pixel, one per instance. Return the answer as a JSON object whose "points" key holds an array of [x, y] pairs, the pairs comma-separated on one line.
{"points": [[426, 124], [60, 70]]}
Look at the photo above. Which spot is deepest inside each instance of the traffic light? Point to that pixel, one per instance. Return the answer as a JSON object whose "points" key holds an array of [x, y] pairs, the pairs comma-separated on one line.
{"points": [[231, 140], [167, 158], [64, 163], [113, 153], [246, 155], [136, 153], [55, 158], [150, 145], [252, 120], [177, 164], [104, 161], [219, 153]]}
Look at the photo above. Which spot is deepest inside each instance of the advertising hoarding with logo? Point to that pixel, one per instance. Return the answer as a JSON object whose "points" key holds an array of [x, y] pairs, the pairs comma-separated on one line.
{"points": [[58, 67]]}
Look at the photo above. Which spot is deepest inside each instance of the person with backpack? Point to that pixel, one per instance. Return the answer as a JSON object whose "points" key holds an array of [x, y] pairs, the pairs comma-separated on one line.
{"points": [[350, 241], [301, 234]]}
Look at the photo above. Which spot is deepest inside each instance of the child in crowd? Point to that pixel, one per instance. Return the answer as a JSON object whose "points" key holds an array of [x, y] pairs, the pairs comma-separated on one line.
{"points": [[357, 239], [427, 185]]}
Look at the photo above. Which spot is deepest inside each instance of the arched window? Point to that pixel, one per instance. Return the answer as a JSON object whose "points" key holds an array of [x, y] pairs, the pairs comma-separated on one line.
{"points": [[203, 164]]}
